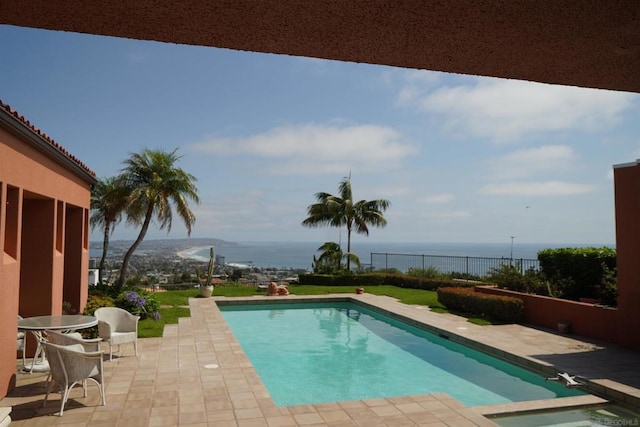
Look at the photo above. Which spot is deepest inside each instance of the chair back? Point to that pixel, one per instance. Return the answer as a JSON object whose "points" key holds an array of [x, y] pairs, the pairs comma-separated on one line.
{"points": [[59, 338], [56, 366], [117, 326], [73, 361], [70, 365], [119, 320]]}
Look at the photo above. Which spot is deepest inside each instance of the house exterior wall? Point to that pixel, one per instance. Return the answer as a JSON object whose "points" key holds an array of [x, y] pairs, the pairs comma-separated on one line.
{"points": [[44, 252], [627, 197]]}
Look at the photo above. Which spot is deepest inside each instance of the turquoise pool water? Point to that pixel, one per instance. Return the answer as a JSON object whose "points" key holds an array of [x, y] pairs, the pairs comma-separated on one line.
{"points": [[329, 352]]}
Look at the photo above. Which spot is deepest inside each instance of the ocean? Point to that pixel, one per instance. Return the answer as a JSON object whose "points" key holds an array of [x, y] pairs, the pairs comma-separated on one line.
{"points": [[285, 255]]}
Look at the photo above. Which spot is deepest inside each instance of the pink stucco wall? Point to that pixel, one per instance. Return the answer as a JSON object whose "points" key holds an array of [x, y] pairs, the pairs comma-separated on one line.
{"points": [[586, 319], [35, 272]]}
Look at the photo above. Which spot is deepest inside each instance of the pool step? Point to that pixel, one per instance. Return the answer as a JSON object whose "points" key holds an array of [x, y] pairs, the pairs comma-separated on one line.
{"points": [[539, 405]]}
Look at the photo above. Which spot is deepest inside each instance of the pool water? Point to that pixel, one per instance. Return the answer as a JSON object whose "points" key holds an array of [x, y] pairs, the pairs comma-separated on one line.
{"points": [[329, 352]]}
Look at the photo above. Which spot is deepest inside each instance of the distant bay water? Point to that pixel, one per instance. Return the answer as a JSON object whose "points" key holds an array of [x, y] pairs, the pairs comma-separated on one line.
{"points": [[300, 254]]}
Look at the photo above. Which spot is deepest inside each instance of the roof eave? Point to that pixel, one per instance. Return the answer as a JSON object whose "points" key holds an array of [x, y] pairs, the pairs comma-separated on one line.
{"points": [[44, 146]]}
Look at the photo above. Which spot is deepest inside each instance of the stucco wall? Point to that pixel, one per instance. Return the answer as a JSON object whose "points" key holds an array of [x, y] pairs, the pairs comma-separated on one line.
{"points": [[32, 259], [27, 168], [627, 196], [586, 319]]}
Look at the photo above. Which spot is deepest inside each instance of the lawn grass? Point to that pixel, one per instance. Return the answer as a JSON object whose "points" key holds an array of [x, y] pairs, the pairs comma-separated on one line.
{"points": [[175, 298], [173, 304], [149, 328]]}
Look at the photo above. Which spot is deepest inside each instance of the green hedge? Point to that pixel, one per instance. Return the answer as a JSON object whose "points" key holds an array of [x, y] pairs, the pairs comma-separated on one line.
{"points": [[494, 307], [583, 271], [178, 286], [377, 279]]}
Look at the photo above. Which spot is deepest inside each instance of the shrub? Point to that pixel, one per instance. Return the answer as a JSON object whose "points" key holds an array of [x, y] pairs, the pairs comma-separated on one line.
{"points": [[580, 270], [316, 279], [510, 277], [608, 289], [140, 303], [494, 307], [425, 273], [390, 270], [376, 279], [95, 301], [179, 286], [433, 273], [464, 276], [425, 284]]}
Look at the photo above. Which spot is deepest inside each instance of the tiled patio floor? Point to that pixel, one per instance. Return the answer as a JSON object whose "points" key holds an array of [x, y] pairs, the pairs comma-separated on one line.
{"points": [[197, 375]]}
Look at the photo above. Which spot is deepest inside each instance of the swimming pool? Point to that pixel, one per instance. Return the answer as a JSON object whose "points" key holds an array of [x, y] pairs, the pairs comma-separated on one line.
{"points": [[309, 353], [599, 415]]}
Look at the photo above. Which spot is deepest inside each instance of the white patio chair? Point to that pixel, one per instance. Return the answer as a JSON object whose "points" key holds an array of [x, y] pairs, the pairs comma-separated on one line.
{"points": [[117, 326], [57, 337], [21, 344], [71, 365]]}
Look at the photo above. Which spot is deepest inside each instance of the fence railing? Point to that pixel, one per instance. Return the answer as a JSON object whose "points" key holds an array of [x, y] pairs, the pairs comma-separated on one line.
{"points": [[477, 266]]}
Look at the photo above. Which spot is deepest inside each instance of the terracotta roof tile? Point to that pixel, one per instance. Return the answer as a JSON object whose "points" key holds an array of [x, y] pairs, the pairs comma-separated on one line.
{"points": [[19, 117]]}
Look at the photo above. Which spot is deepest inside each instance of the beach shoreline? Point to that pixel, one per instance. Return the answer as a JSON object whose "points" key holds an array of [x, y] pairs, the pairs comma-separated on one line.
{"points": [[191, 253]]}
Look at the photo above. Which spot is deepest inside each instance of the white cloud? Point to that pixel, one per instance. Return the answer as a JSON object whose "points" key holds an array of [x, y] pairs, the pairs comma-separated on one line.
{"points": [[318, 149], [235, 212], [506, 110], [415, 82], [525, 163], [548, 188]]}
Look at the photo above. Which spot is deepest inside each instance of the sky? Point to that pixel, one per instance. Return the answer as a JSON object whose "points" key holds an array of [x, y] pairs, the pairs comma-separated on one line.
{"points": [[462, 159]]}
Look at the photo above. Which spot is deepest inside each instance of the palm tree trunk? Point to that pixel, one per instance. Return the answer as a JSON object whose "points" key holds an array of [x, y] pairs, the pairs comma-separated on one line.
{"points": [[348, 247], [105, 248], [127, 257]]}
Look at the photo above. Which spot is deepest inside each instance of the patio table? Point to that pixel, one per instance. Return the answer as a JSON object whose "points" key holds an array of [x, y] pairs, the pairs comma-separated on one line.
{"points": [[65, 323]]}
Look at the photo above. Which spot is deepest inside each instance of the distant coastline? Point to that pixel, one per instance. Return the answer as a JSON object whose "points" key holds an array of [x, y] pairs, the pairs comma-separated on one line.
{"points": [[192, 253], [300, 254]]}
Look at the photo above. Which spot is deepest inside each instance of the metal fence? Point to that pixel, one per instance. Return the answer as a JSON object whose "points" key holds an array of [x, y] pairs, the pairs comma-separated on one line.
{"points": [[476, 266]]}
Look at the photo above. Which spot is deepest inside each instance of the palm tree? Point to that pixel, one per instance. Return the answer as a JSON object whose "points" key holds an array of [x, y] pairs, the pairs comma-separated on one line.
{"points": [[108, 200], [338, 211], [330, 260], [155, 187]]}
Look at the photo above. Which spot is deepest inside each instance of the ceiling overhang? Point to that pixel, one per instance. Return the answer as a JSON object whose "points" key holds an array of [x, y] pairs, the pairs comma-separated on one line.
{"points": [[589, 43]]}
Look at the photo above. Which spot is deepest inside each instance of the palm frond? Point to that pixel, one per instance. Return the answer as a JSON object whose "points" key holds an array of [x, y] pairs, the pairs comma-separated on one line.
{"points": [[343, 211]]}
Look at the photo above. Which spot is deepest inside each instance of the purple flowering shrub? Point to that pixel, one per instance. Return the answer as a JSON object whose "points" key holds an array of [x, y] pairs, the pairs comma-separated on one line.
{"points": [[142, 304]]}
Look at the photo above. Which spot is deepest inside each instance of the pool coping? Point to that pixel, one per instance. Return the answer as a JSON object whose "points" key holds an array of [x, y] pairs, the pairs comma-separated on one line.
{"points": [[601, 390]]}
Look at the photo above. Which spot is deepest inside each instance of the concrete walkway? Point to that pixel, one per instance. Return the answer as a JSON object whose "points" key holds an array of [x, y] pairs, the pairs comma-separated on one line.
{"points": [[197, 375]]}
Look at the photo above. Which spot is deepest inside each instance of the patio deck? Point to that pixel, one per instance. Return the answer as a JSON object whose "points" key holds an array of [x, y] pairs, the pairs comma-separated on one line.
{"points": [[175, 381]]}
